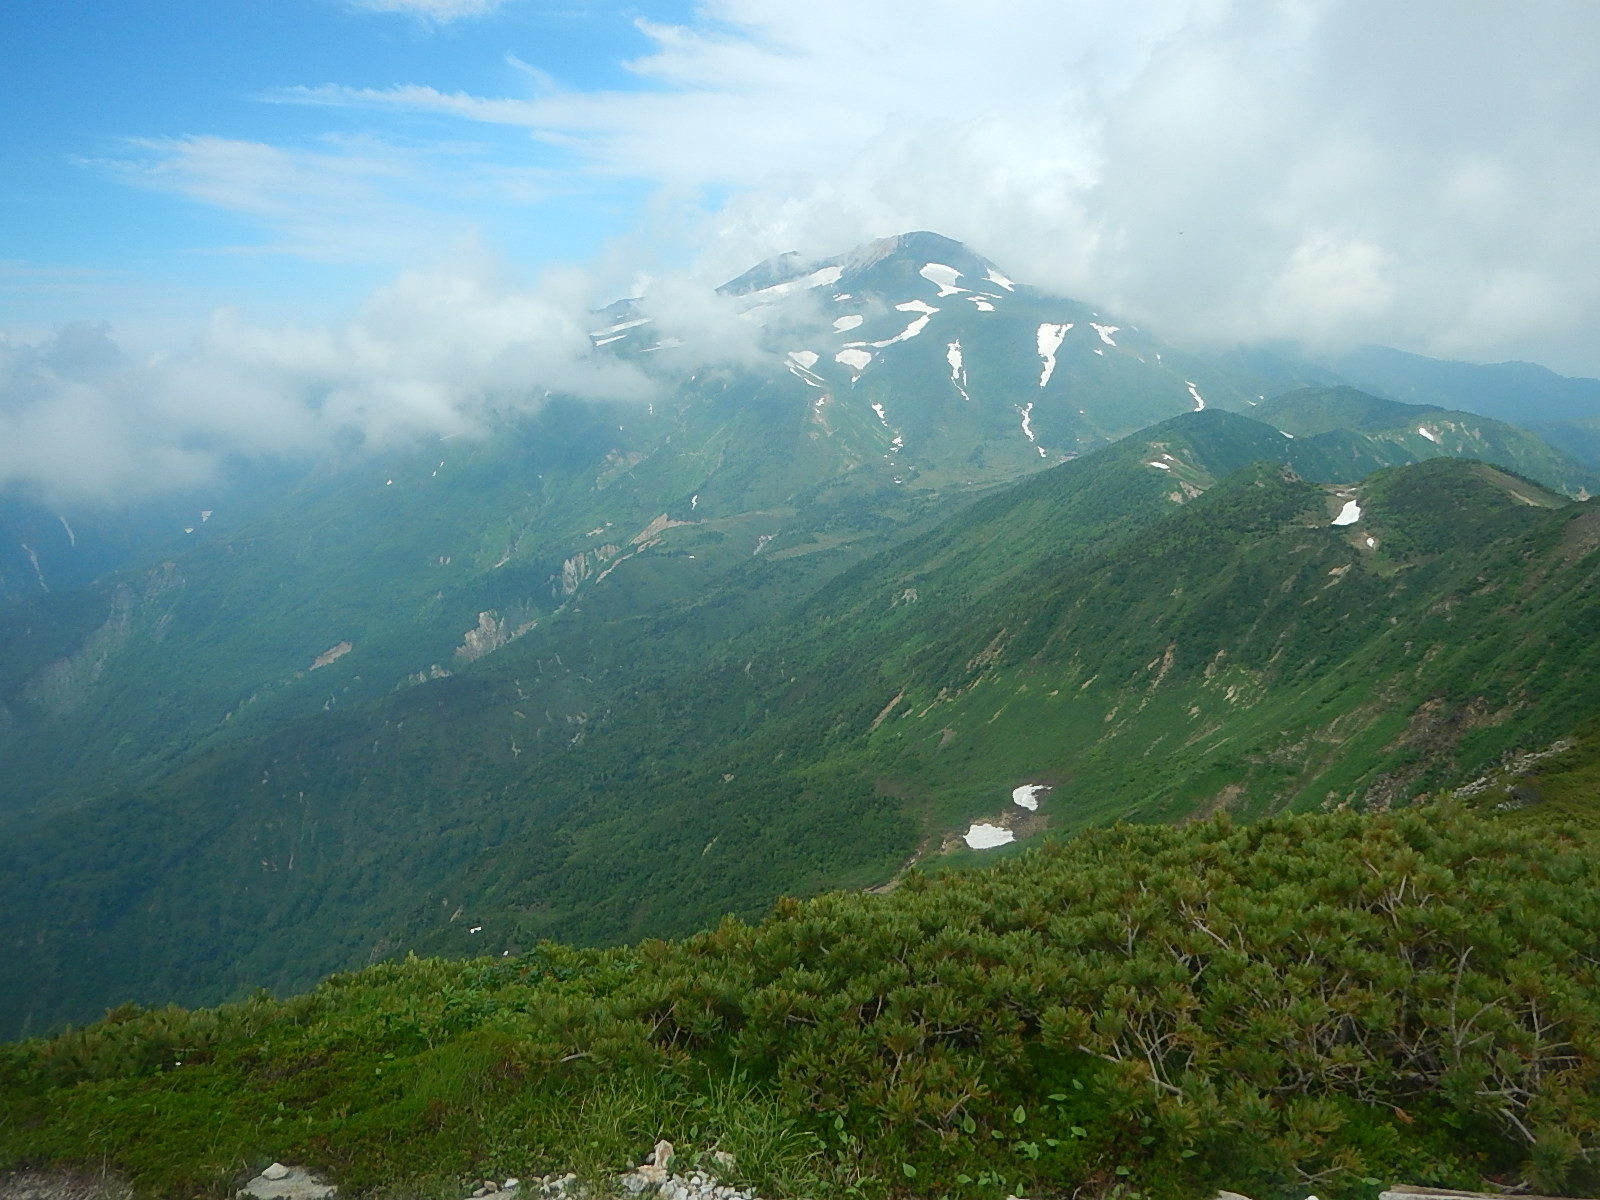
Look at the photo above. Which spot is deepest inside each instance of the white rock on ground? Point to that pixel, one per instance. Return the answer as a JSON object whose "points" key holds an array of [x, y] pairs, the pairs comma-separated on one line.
{"points": [[650, 1179], [294, 1183]]}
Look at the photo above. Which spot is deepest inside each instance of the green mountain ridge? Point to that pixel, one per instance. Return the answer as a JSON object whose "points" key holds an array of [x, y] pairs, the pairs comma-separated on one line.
{"points": [[616, 670], [1150, 653]]}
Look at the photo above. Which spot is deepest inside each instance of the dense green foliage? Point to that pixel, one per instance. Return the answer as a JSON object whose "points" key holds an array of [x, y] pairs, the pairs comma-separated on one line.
{"points": [[1317, 1002], [606, 780]]}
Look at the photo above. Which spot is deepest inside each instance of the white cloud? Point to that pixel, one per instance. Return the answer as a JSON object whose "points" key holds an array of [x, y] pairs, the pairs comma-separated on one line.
{"points": [[1424, 175], [1184, 160], [438, 351]]}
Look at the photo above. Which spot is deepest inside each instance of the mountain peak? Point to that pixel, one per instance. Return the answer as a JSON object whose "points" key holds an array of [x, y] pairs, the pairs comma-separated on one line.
{"points": [[919, 244], [771, 272], [919, 247]]}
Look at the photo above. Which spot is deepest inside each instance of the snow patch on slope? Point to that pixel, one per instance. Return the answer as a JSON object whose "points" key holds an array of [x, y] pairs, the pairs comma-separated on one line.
{"points": [[857, 360], [983, 836], [846, 324], [1049, 341], [1105, 332], [958, 373], [819, 278], [1428, 433], [916, 326], [942, 277], [619, 327], [1194, 393], [1027, 796], [994, 276], [1349, 514]]}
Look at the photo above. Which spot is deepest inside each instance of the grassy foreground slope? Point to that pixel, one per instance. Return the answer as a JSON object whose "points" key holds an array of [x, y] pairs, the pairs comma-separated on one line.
{"points": [[1323, 1002]]}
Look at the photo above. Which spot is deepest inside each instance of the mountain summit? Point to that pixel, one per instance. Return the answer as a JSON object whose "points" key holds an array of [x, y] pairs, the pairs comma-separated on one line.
{"points": [[793, 270]]}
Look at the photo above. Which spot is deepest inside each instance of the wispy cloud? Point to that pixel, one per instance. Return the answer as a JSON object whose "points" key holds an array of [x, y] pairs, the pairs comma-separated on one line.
{"points": [[439, 12], [360, 199]]}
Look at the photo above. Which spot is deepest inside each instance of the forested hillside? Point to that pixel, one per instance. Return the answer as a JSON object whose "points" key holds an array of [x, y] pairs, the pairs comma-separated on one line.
{"points": [[1156, 630]]}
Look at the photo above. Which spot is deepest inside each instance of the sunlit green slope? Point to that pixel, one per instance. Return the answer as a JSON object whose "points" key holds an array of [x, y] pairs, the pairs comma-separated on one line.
{"points": [[1170, 626], [1337, 1001]]}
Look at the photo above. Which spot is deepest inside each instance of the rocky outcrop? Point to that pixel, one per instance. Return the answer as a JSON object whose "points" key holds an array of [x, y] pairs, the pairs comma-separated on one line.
{"points": [[331, 654], [491, 632], [580, 568]]}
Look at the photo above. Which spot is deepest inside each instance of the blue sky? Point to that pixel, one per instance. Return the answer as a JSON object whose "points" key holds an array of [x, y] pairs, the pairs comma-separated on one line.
{"points": [[283, 218], [153, 148]]}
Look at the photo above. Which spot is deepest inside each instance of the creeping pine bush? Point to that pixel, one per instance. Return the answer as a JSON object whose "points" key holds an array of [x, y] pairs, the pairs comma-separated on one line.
{"points": [[1312, 1002]]}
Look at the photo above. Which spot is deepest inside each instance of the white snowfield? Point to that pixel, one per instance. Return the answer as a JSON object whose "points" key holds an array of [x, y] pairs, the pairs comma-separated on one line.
{"points": [[942, 277], [1027, 420], [958, 374], [1105, 332], [982, 304], [806, 358], [857, 360], [818, 278], [911, 330], [1161, 465], [806, 375], [995, 277], [1428, 433], [846, 324], [1194, 394], [1049, 340], [620, 326], [983, 836], [921, 306], [882, 415], [1349, 514], [1027, 796]]}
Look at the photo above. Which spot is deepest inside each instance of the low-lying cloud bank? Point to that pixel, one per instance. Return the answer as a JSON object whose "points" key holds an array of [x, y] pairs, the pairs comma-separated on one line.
{"points": [[434, 352]]}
